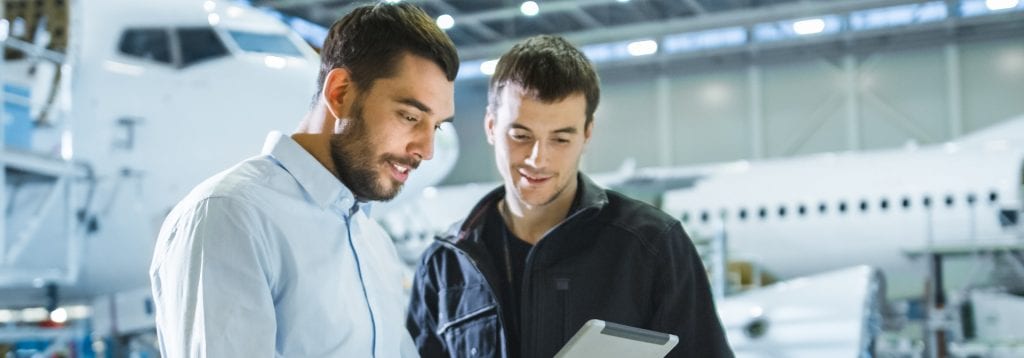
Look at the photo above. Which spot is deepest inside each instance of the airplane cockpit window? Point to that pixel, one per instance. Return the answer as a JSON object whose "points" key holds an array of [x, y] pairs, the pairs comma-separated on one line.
{"points": [[275, 44], [149, 44], [199, 44]]}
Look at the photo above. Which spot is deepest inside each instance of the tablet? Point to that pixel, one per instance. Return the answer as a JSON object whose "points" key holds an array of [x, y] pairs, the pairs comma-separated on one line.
{"points": [[599, 339]]}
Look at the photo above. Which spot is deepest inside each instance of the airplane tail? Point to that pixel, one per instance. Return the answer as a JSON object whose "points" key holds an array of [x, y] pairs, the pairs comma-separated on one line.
{"points": [[1010, 131]]}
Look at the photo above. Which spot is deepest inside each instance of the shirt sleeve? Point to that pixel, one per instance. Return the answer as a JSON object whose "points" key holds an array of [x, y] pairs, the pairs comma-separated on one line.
{"points": [[210, 283], [683, 303]]}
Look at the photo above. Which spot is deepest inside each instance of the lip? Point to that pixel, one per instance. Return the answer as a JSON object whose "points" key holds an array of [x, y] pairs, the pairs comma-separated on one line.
{"points": [[534, 180], [399, 175]]}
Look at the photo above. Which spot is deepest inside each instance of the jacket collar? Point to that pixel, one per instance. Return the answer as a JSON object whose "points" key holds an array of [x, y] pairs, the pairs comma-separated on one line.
{"points": [[590, 199]]}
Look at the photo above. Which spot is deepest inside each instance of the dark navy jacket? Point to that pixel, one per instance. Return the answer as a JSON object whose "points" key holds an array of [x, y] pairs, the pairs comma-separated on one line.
{"points": [[613, 258]]}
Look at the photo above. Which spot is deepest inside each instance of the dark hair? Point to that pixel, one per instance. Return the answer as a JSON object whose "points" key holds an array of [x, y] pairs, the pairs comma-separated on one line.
{"points": [[549, 66], [370, 40]]}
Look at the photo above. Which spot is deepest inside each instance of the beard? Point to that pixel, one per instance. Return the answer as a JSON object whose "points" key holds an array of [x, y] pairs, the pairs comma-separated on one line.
{"points": [[352, 152]]}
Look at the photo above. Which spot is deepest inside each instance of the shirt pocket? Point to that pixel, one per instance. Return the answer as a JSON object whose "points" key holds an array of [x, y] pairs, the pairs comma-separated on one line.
{"points": [[468, 322]]}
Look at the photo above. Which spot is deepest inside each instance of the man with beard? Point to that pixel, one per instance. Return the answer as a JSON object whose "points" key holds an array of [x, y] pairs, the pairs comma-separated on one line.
{"points": [[550, 250], [276, 256]]}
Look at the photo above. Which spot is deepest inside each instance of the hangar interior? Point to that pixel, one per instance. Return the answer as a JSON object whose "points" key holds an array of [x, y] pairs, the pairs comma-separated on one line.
{"points": [[851, 170]]}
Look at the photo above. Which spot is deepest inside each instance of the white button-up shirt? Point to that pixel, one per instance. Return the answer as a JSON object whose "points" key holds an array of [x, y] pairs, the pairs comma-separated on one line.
{"points": [[276, 258]]}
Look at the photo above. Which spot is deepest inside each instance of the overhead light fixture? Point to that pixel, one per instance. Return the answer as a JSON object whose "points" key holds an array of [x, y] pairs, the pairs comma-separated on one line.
{"points": [[392, 1], [996, 5], [529, 8], [59, 315], [445, 21], [809, 26], [642, 48], [622, 1], [487, 67]]}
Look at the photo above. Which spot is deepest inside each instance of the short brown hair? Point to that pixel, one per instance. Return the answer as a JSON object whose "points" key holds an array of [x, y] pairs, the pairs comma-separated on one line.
{"points": [[370, 40], [551, 67]]}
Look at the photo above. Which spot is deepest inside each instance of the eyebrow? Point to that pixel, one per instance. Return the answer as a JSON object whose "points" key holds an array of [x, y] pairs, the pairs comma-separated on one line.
{"points": [[566, 130]]}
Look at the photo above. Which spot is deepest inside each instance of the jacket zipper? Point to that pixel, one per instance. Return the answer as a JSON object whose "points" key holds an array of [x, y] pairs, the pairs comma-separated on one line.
{"points": [[527, 274]]}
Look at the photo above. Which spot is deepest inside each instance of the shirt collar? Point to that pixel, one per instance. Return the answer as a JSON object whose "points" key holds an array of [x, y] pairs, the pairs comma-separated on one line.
{"points": [[319, 183]]}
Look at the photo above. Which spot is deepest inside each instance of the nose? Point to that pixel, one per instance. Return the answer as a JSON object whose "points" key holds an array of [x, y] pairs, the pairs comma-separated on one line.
{"points": [[423, 145], [538, 155]]}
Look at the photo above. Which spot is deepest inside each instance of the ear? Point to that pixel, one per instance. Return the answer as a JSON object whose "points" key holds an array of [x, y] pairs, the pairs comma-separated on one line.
{"points": [[338, 92], [489, 127], [587, 132]]}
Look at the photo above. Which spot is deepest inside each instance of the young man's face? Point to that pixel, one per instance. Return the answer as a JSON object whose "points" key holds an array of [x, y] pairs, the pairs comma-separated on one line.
{"points": [[537, 145], [391, 128]]}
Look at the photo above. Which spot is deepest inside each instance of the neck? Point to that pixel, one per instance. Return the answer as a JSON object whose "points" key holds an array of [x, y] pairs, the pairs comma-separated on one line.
{"points": [[529, 223], [314, 135]]}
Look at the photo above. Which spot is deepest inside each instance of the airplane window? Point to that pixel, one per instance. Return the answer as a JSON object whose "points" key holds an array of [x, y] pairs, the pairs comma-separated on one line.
{"points": [[863, 205], [686, 217], [906, 202], [884, 204], [762, 212], [277, 44], [822, 208], [704, 216], [743, 214], [723, 214], [150, 44], [971, 199], [993, 197], [842, 206], [802, 209], [949, 200], [782, 211], [927, 202], [199, 44]]}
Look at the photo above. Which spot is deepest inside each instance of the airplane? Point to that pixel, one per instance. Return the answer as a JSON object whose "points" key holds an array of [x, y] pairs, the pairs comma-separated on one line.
{"points": [[799, 216], [149, 99]]}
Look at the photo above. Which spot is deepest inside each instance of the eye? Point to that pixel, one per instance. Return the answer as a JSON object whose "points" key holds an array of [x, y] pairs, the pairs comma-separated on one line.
{"points": [[561, 141], [408, 117]]}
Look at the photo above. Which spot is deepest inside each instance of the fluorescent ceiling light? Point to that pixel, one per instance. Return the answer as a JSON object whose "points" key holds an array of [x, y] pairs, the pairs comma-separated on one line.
{"points": [[529, 8], [642, 48], [487, 67], [445, 21], [809, 26], [996, 5]]}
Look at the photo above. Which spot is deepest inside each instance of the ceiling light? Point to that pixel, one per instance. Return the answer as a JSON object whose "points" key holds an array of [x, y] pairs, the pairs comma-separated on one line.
{"points": [[445, 21], [809, 26], [642, 48], [487, 67], [996, 5], [529, 8]]}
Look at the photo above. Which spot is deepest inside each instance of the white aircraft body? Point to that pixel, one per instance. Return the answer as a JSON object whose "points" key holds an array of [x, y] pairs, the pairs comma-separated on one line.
{"points": [[155, 96]]}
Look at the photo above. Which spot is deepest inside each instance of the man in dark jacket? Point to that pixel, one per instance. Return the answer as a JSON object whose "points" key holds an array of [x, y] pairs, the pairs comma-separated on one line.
{"points": [[549, 250]]}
